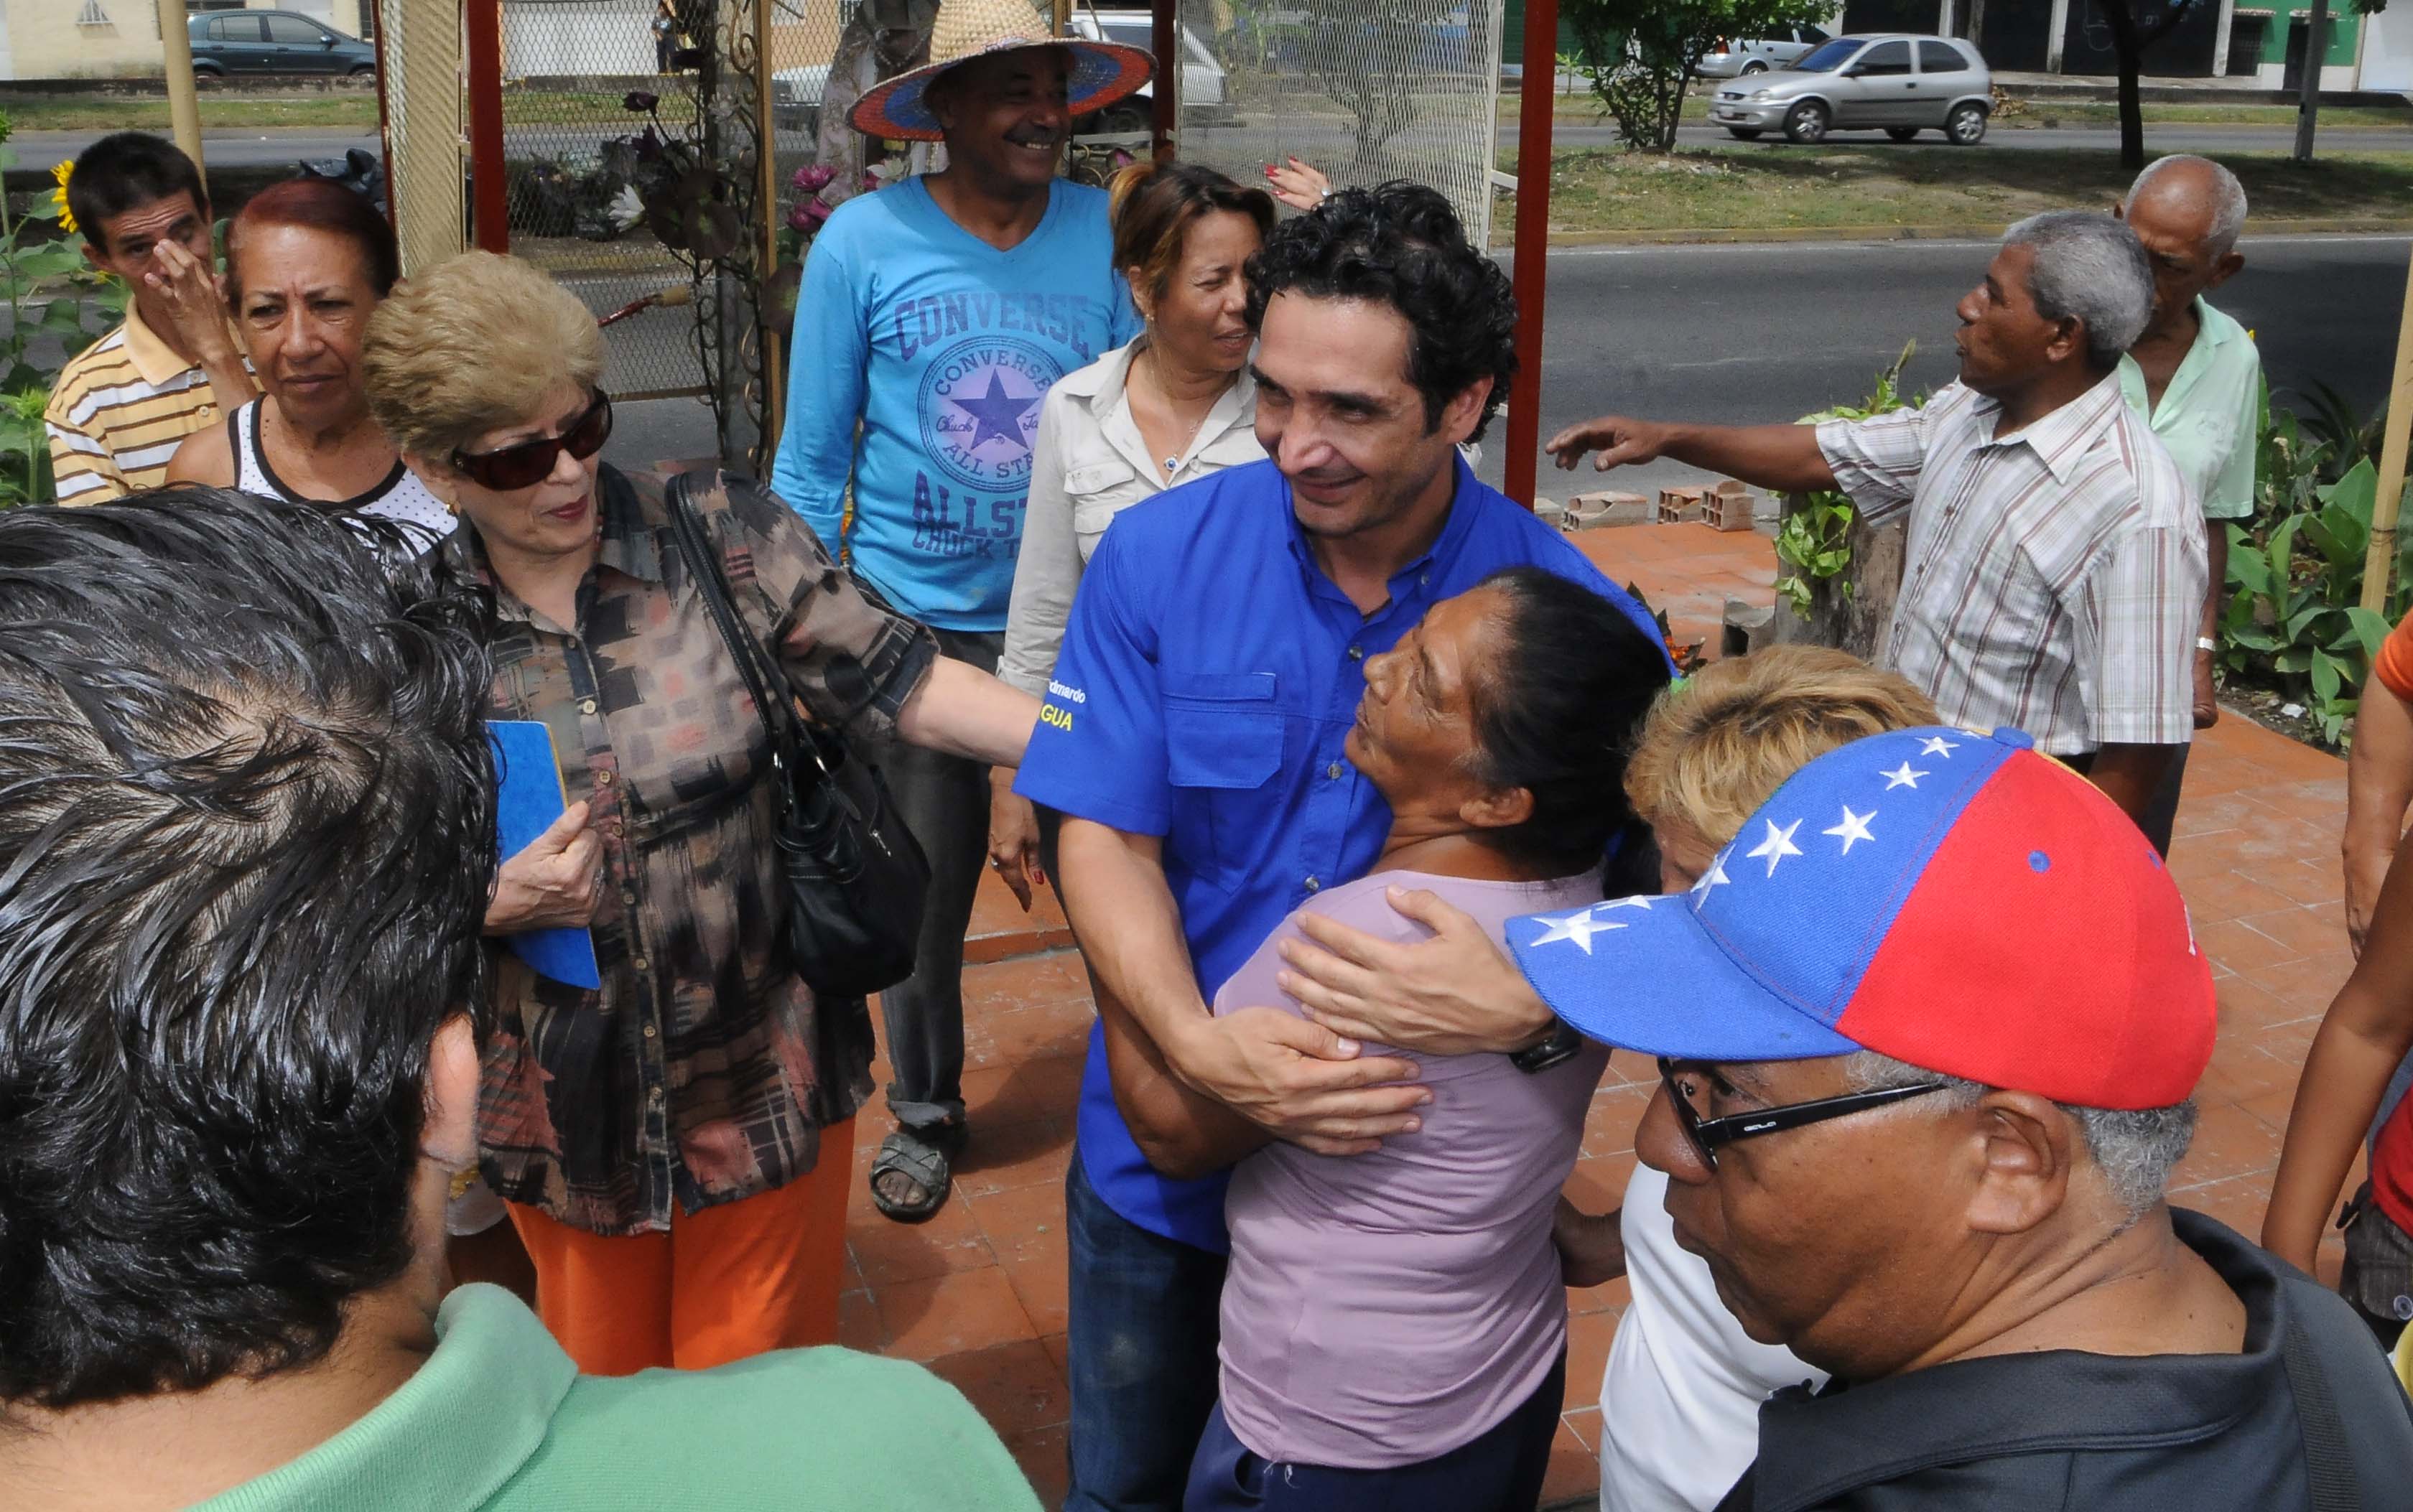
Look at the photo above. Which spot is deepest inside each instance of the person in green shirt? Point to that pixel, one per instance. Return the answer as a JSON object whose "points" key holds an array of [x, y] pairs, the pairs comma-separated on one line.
{"points": [[246, 837], [2193, 375]]}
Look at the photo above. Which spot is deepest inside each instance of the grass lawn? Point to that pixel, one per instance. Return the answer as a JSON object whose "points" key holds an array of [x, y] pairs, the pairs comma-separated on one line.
{"points": [[1777, 186], [2106, 113], [1580, 109], [353, 109]]}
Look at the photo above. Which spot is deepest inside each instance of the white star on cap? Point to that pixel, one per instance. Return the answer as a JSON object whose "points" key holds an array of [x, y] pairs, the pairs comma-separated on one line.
{"points": [[1937, 745], [1901, 776], [1777, 845], [1854, 828], [1714, 877], [1578, 926]]}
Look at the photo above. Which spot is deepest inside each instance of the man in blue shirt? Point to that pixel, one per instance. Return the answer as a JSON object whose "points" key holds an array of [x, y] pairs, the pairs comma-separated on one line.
{"points": [[1193, 738], [933, 317]]}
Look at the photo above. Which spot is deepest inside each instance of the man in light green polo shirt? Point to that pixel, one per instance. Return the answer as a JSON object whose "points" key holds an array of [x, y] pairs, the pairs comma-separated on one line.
{"points": [[246, 839], [2194, 374]]}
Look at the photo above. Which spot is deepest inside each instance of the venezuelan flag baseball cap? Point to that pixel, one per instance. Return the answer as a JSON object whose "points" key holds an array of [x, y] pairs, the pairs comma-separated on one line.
{"points": [[1958, 901]]}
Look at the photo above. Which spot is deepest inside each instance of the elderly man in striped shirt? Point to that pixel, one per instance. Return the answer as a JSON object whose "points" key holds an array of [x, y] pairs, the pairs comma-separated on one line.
{"points": [[2055, 568]]}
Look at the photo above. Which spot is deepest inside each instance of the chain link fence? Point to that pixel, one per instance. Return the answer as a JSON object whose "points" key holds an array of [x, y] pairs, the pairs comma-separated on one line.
{"points": [[571, 71], [1364, 90]]}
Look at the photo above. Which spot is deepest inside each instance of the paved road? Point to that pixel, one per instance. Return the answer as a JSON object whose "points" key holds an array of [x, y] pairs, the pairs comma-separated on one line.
{"points": [[1745, 334], [228, 147], [241, 148]]}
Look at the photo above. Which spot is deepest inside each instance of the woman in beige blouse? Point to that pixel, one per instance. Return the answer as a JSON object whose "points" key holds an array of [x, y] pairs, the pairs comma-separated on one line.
{"points": [[1172, 407]]}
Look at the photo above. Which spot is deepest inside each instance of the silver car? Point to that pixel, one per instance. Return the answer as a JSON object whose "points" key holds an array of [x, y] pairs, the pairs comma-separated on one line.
{"points": [[1737, 59], [1892, 81]]}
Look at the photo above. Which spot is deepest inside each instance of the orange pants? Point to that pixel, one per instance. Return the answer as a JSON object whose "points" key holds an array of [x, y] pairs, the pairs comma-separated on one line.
{"points": [[763, 1272]]}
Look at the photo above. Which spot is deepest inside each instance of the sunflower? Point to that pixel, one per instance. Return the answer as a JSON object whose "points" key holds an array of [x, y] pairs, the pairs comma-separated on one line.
{"points": [[62, 171]]}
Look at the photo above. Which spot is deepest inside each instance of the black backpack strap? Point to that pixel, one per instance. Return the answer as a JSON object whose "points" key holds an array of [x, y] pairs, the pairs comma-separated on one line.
{"points": [[2329, 1462]]}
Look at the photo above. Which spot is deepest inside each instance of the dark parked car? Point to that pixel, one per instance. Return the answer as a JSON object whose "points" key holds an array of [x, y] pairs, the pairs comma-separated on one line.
{"points": [[248, 44]]}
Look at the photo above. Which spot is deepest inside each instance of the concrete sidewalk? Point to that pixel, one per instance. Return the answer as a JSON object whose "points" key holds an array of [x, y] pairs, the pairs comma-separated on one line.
{"points": [[979, 1292]]}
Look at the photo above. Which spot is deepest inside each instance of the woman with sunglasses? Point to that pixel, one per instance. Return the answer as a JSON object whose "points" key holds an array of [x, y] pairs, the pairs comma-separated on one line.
{"points": [[673, 1148], [1393, 1329], [307, 260]]}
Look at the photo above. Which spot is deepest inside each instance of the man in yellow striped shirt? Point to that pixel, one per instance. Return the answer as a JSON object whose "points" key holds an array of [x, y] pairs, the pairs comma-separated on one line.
{"points": [[120, 405]]}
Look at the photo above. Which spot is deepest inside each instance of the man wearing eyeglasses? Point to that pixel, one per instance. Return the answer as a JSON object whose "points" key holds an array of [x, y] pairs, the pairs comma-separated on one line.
{"points": [[1928, 1032]]}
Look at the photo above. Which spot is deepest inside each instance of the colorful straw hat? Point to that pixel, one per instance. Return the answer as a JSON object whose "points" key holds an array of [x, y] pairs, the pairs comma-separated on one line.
{"points": [[1102, 72]]}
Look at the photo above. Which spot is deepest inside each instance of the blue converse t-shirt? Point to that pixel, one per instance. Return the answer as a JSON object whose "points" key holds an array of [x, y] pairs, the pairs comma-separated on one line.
{"points": [[942, 347]]}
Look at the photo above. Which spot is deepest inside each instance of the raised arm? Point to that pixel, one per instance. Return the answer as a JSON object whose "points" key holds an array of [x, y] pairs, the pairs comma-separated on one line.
{"points": [[1452, 994], [197, 309], [2379, 788], [1290, 1077], [1783, 458], [2364, 1035]]}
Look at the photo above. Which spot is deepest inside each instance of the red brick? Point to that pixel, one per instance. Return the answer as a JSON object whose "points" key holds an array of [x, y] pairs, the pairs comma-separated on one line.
{"points": [[1015, 1386], [1040, 1453], [927, 1320]]}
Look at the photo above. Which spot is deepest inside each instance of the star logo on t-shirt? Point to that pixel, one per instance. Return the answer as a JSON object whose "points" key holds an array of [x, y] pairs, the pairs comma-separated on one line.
{"points": [[997, 416]]}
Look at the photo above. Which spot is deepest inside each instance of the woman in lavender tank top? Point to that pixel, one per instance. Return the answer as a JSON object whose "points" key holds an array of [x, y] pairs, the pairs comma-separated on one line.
{"points": [[1393, 1323]]}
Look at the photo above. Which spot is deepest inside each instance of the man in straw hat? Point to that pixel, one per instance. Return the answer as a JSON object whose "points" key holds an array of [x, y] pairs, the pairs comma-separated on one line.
{"points": [[934, 316]]}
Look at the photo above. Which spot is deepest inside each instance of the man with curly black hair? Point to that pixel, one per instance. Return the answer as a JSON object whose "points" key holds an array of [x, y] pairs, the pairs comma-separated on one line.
{"points": [[246, 840], [1193, 738]]}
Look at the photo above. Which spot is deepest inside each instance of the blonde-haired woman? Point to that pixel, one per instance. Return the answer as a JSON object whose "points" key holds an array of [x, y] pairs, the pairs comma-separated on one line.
{"points": [[673, 1147], [1680, 1398]]}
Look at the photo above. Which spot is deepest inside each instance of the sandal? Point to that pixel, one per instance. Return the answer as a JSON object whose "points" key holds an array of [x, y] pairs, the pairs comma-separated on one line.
{"points": [[925, 1157]]}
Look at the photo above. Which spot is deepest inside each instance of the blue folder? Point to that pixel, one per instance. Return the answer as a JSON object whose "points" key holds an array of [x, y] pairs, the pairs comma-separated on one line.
{"points": [[527, 798]]}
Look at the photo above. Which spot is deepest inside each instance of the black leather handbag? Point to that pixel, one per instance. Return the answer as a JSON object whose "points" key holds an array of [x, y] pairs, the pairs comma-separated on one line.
{"points": [[856, 878]]}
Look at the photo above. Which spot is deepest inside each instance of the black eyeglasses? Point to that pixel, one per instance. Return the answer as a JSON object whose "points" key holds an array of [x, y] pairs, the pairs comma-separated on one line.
{"points": [[530, 463], [1708, 1134]]}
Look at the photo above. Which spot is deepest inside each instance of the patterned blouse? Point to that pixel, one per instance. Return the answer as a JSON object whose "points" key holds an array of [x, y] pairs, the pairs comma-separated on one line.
{"points": [[704, 1069]]}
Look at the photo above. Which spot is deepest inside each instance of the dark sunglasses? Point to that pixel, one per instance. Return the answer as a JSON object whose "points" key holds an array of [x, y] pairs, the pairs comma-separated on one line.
{"points": [[1708, 1134], [530, 463]]}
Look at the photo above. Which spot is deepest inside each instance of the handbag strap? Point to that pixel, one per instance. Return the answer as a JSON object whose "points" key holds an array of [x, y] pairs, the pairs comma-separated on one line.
{"points": [[2328, 1459], [687, 532]]}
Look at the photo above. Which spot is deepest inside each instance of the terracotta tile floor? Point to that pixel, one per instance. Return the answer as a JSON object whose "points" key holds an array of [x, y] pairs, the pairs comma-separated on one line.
{"points": [[978, 1293]]}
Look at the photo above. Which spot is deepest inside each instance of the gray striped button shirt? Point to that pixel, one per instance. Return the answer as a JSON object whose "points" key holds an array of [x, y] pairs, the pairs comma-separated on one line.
{"points": [[2052, 579]]}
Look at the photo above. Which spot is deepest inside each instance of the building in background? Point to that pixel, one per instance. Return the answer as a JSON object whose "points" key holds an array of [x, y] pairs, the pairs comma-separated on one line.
{"points": [[120, 38], [2265, 42]]}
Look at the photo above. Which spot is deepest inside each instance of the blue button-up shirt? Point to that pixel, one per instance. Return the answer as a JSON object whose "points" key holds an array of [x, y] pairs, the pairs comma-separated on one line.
{"points": [[1210, 675]]}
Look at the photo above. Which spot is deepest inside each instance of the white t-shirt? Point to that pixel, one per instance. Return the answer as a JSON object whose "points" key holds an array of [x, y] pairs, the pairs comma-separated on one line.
{"points": [[1679, 1401]]}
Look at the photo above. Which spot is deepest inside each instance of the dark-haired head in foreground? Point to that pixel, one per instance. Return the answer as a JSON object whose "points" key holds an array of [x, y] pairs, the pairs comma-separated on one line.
{"points": [[1385, 339], [245, 840]]}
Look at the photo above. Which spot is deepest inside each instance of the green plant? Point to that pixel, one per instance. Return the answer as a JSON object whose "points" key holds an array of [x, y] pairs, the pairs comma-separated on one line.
{"points": [[1815, 538], [1640, 54], [1816, 541], [2296, 616], [2331, 417], [52, 294]]}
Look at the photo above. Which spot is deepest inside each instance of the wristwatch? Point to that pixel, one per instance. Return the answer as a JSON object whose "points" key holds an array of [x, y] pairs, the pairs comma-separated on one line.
{"points": [[1562, 1045], [2208, 644]]}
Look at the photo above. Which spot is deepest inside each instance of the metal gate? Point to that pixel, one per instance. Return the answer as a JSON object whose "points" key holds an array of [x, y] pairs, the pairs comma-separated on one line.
{"points": [[631, 149]]}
